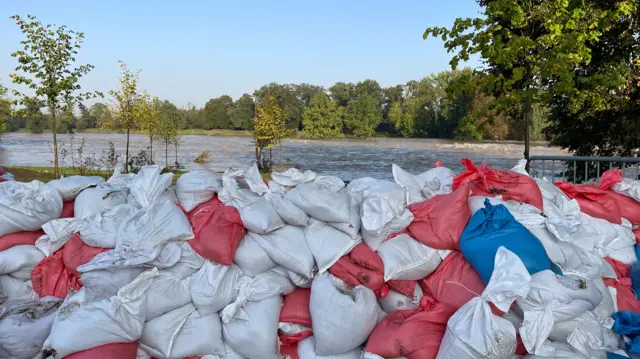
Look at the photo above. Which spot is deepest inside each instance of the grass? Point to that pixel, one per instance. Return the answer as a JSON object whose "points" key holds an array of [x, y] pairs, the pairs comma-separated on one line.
{"points": [[182, 132], [45, 174]]}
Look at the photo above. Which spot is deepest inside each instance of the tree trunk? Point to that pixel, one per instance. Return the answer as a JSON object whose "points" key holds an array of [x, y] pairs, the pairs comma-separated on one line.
{"points": [[54, 129], [126, 154], [166, 153], [527, 122], [177, 164], [281, 162], [151, 148]]}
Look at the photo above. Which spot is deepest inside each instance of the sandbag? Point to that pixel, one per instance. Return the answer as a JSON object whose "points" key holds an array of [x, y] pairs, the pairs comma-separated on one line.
{"points": [[105, 283], [405, 287], [20, 238], [253, 331], [188, 264], [324, 199], [439, 221], [606, 239], [327, 244], [405, 258], [100, 229], [439, 180], [251, 258], [621, 290], [473, 331], [19, 261], [95, 199], [27, 206], [412, 333], [613, 180], [411, 183], [295, 309], [149, 185], [167, 293], [196, 187], [495, 227], [51, 277], [15, 289], [593, 201], [559, 351], [552, 299], [292, 177], [360, 266], [562, 213], [455, 282], [121, 318], [183, 333], [260, 217], [24, 326], [76, 253], [306, 350], [628, 324], [213, 287], [70, 187], [584, 333], [288, 211], [217, 230], [398, 301], [288, 248], [489, 182], [108, 351], [342, 318]]}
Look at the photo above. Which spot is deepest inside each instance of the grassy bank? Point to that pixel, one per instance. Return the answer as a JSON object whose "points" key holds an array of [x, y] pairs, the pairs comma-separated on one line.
{"points": [[45, 174], [182, 132]]}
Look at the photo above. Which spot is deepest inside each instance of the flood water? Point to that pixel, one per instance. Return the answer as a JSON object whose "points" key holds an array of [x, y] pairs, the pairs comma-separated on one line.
{"points": [[347, 159]]}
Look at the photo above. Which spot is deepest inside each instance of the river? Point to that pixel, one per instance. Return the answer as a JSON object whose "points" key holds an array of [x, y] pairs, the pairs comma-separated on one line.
{"points": [[347, 159]]}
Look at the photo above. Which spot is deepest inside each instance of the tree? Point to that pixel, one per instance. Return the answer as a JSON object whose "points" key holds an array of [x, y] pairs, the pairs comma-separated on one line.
{"points": [[395, 113], [5, 109], [342, 93], [86, 120], [269, 129], [323, 118], [242, 114], [371, 88], [101, 113], [391, 95], [217, 111], [126, 100], [45, 66], [305, 93], [362, 116], [287, 100], [147, 112], [403, 118], [530, 49], [168, 126]]}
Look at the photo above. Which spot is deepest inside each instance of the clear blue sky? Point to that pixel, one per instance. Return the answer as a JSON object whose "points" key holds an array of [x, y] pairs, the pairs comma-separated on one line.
{"points": [[190, 51]]}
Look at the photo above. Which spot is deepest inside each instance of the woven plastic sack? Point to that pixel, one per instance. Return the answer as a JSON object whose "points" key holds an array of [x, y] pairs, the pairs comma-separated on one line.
{"points": [[593, 201], [52, 278], [360, 266], [27, 206], [108, 351], [20, 238], [196, 187]]}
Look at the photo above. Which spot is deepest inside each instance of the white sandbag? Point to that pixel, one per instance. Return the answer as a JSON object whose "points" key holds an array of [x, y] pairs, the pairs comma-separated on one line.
{"points": [[253, 331], [562, 212], [27, 206], [292, 177], [189, 263], [16, 289], [474, 331], [607, 307], [322, 199], [70, 187], [288, 211], [251, 258], [374, 238], [18, 261], [352, 228], [342, 318], [120, 319], [260, 217], [98, 198], [57, 233], [327, 244], [148, 185], [24, 326], [558, 351], [439, 180], [168, 257], [411, 183], [553, 298], [306, 350], [105, 283], [299, 280], [274, 282], [607, 239], [196, 187], [628, 187], [397, 301], [8, 177], [584, 334], [405, 258], [167, 293], [100, 229], [288, 248], [213, 287], [183, 333]]}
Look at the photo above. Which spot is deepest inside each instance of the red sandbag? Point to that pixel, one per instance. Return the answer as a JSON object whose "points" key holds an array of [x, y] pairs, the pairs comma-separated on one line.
{"points": [[218, 231], [108, 351], [295, 308], [404, 287], [593, 201], [488, 182], [67, 209], [361, 266], [76, 253], [415, 334], [438, 222], [50, 277], [289, 344], [20, 238], [625, 296], [610, 177]]}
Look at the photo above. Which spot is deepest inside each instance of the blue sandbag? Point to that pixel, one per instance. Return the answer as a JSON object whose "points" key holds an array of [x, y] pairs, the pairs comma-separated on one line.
{"points": [[493, 227], [628, 323], [634, 274], [611, 355]]}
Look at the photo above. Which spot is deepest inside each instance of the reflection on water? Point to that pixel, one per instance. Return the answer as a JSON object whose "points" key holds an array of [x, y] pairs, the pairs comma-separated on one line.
{"points": [[347, 159]]}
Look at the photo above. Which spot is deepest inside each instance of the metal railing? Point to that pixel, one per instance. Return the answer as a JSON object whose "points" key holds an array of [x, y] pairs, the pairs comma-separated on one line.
{"points": [[581, 169]]}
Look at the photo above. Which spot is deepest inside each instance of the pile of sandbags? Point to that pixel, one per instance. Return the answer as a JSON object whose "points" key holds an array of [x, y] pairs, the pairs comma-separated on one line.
{"points": [[484, 264]]}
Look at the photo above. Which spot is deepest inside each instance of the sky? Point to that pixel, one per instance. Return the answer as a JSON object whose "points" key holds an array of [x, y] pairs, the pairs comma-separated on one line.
{"points": [[192, 50]]}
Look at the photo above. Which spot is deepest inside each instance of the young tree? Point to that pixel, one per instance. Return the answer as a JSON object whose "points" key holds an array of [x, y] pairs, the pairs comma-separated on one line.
{"points": [[395, 113], [45, 66], [530, 49], [148, 115], [167, 126], [323, 118], [5, 109], [362, 116], [270, 129], [126, 100]]}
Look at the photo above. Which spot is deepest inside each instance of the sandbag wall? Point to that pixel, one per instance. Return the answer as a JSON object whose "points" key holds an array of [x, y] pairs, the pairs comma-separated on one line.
{"points": [[483, 264]]}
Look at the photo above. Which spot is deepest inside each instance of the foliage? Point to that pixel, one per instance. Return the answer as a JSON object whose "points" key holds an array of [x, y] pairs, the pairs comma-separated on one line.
{"points": [[83, 165], [216, 113], [371, 88], [168, 126], [322, 119], [5, 109], [286, 98], [269, 129], [139, 160], [242, 113], [147, 113], [362, 116], [45, 67], [342, 93], [203, 157]]}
